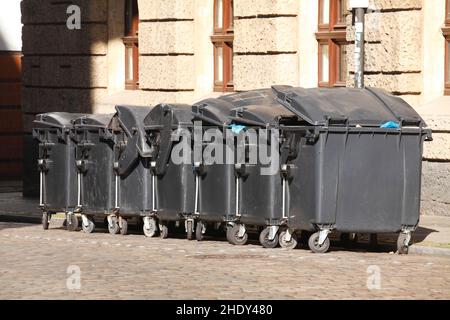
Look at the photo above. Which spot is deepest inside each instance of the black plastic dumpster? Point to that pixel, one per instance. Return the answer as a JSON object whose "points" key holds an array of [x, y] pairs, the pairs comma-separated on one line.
{"points": [[357, 167], [56, 163], [260, 184], [133, 184], [169, 133], [94, 159], [216, 182]]}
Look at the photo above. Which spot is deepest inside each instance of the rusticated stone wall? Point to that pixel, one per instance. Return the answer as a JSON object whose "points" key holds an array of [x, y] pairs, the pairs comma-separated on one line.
{"points": [[166, 48], [63, 70], [393, 52], [265, 48]]}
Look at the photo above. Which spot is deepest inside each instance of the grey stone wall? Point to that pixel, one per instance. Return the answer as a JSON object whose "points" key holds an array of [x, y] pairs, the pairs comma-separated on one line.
{"points": [[265, 52], [393, 57], [166, 48], [63, 70]]}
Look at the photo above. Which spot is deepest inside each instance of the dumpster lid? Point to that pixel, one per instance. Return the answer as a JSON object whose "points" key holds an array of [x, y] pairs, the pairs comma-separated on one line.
{"points": [[181, 116], [131, 120], [258, 107], [369, 106], [57, 119], [94, 120], [213, 111]]}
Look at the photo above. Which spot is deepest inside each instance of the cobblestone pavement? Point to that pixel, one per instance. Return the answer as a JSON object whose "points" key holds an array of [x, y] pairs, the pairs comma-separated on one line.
{"points": [[34, 264]]}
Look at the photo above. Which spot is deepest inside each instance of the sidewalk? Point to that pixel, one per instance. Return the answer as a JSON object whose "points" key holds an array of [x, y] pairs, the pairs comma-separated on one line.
{"points": [[432, 236]]}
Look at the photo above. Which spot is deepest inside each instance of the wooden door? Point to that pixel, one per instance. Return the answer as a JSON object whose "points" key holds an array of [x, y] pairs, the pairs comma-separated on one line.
{"points": [[11, 127]]}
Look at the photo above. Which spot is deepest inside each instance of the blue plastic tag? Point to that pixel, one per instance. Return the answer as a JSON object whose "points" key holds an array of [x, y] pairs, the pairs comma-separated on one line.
{"points": [[237, 128], [390, 125]]}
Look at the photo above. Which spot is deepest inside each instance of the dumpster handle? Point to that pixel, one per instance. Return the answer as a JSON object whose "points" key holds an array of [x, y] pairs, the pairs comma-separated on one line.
{"points": [[284, 198], [41, 188], [196, 194], [237, 197], [117, 192], [153, 165], [79, 189]]}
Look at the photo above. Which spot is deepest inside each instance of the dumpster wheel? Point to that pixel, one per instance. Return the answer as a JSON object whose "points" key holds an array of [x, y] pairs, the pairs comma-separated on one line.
{"points": [[72, 225], [189, 229], [291, 244], [234, 238], [403, 243], [45, 222], [113, 227], [149, 227], [265, 240], [89, 228], [163, 231], [314, 245], [123, 226], [199, 233]]}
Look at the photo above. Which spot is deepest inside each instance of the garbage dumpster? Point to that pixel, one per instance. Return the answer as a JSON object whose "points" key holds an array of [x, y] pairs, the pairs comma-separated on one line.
{"points": [[169, 132], [357, 167], [56, 163], [261, 197], [94, 160], [133, 187], [215, 182]]}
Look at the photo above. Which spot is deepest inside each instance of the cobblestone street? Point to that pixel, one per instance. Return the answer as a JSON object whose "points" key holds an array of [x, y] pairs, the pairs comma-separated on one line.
{"points": [[34, 264]]}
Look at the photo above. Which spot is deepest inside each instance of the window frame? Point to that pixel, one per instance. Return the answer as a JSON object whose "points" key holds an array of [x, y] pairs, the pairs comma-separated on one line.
{"points": [[334, 34], [223, 37], [447, 13], [131, 40], [446, 34]]}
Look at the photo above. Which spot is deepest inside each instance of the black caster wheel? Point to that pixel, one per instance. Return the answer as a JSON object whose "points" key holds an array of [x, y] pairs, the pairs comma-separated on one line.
{"points": [[113, 227], [234, 238], [314, 245], [291, 244], [199, 235], [189, 231], [151, 229], [123, 226], [265, 241], [402, 245], [89, 228], [163, 231], [45, 221], [72, 222]]}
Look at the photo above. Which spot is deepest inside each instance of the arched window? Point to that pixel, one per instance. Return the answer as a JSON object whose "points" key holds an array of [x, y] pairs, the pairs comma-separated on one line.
{"points": [[331, 38], [131, 42], [222, 40]]}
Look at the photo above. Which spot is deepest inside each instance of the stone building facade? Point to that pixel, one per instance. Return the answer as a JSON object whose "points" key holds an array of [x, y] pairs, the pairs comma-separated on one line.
{"points": [[185, 50]]}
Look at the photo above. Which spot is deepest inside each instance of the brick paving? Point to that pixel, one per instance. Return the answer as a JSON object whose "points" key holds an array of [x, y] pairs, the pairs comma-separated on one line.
{"points": [[34, 263]]}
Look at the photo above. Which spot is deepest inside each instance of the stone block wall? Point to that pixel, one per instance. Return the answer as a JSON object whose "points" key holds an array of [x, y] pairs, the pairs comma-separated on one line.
{"points": [[265, 52], [166, 49], [436, 165], [63, 70], [393, 57]]}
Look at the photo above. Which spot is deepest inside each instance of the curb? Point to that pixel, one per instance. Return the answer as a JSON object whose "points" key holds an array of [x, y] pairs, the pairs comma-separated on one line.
{"points": [[414, 249]]}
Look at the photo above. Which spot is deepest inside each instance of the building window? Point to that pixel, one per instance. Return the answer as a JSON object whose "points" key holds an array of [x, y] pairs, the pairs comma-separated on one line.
{"points": [[131, 43], [446, 32], [331, 38], [222, 40]]}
